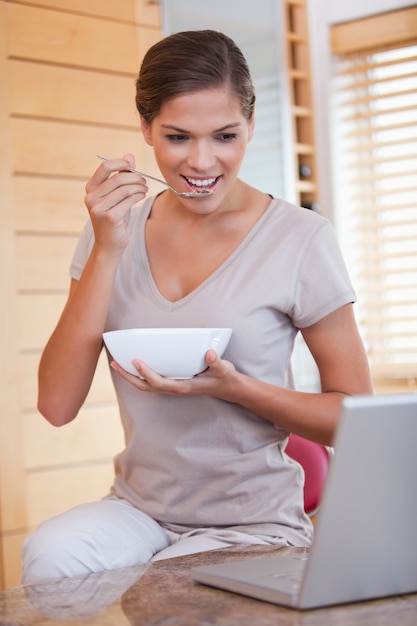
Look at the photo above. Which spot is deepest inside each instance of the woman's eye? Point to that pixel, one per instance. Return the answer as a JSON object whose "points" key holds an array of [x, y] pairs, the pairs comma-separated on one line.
{"points": [[176, 138], [226, 137], [222, 137]]}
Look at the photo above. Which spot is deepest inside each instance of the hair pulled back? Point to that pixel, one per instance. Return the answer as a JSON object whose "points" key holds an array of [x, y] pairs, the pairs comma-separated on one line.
{"points": [[191, 61]]}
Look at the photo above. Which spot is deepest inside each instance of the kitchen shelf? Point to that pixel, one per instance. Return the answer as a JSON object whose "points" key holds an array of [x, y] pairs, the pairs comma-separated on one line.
{"points": [[302, 115]]}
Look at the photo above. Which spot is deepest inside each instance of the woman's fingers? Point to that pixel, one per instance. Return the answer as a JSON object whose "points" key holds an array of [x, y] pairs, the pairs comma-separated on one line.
{"points": [[213, 381], [150, 381], [110, 166], [217, 366], [130, 158], [111, 193], [113, 181]]}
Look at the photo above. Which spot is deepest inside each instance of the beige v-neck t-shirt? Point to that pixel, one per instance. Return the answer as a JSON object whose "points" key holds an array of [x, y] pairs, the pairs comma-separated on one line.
{"points": [[193, 462]]}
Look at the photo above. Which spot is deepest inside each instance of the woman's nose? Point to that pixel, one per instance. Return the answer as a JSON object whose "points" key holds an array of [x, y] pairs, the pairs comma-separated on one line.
{"points": [[201, 156]]}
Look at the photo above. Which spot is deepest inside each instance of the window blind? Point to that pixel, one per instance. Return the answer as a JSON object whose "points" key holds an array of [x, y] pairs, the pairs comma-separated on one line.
{"points": [[375, 147]]}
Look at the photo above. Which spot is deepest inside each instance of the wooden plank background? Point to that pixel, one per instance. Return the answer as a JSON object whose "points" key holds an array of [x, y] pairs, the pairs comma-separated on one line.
{"points": [[67, 76], [12, 476]]}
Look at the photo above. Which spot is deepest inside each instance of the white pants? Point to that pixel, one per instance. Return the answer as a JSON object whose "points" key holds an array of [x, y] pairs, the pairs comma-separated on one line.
{"points": [[110, 534]]}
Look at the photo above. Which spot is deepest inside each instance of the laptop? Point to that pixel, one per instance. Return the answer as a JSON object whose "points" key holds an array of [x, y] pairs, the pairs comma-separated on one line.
{"points": [[365, 540]]}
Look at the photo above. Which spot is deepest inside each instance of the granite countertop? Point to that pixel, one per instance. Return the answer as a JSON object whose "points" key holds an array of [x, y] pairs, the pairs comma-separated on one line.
{"points": [[164, 594]]}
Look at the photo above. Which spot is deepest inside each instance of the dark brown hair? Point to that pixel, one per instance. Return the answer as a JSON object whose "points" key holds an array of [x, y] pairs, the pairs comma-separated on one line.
{"points": [[191, 61]]}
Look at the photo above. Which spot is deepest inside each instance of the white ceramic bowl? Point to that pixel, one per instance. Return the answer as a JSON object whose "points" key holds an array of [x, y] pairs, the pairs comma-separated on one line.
{"points": [[172, 352]]}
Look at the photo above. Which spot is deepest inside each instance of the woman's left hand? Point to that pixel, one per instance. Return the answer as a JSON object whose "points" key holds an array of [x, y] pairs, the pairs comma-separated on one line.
{"points": [[215, 381]]}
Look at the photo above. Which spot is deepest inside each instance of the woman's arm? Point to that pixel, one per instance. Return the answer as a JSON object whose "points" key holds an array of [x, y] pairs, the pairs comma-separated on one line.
{"points": [[340, 356], [338, 351], [70, 357]]}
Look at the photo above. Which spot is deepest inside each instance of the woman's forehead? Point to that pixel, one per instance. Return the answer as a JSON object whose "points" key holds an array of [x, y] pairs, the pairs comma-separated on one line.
{"points": [[215, 102]]}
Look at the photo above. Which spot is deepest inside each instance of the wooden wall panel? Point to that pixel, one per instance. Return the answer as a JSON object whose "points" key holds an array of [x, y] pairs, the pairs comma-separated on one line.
{"points": [[49, 205], [50, 493], [66, 95], [34, 316], [12, 546], [43, 262], [78, 40], [59, 149], [147, 37], [12, 492], [121, 11], [28, 380], [142, 11], [47, 446], [62, 149], [149, 12]]}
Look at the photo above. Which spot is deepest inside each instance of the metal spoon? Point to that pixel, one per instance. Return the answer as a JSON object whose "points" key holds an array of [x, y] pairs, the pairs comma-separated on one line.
{"points": [[186, 194]]}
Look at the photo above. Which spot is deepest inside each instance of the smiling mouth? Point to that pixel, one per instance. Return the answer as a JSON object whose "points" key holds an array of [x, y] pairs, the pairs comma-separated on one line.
{"points": [[199, 185]]}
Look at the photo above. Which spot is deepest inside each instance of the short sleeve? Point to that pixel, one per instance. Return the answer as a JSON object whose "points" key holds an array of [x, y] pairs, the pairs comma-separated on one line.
{"points": [[322, 284], [82, 251]]}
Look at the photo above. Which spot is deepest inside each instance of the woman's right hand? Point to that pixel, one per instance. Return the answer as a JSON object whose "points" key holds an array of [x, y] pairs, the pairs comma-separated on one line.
{"points": [[69, 359], [110, 194]]}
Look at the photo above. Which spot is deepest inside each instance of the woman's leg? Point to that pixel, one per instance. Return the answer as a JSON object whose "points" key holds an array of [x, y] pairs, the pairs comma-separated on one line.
{"points": [[204, 539], [92, 537]]}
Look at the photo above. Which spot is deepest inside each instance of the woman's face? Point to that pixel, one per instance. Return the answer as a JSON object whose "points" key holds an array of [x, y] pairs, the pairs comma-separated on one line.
{"points": [[199, 140]]}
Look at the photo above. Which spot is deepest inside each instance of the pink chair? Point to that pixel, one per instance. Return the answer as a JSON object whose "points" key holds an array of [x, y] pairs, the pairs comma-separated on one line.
{"points": [[314, 458]]}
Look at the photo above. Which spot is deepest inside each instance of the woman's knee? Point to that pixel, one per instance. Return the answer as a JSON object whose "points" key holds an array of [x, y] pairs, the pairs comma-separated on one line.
{"points": [[90, 538], [48, 553]]}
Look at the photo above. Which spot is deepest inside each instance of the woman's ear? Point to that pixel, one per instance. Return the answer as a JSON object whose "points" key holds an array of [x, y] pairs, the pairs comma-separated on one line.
{"points": [[146, 131]]}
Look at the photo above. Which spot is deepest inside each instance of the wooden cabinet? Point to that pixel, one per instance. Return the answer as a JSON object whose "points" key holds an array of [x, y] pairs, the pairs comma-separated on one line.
{"points": [[67, 80]]}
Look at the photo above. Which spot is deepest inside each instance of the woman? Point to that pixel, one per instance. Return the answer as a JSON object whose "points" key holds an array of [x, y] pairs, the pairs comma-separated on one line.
{"points": [[204, 464]]}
